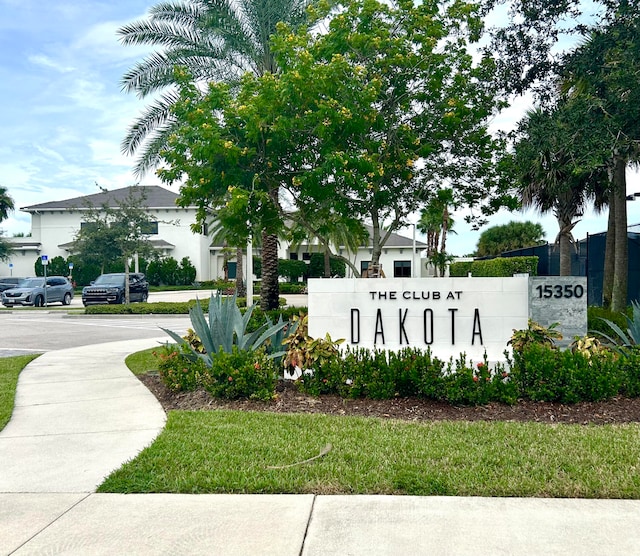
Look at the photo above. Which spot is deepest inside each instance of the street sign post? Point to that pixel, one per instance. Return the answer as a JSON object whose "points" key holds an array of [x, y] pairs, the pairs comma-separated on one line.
{"points": [[45, 261]]}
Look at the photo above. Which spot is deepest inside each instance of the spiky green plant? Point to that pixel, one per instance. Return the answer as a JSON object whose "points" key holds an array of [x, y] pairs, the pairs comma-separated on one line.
{"points": [[225, 329], [622, 338]]}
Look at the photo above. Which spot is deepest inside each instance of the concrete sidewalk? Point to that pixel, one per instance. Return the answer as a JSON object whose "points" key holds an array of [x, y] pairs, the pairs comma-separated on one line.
{"points": [[80, 414], [307, 525]]}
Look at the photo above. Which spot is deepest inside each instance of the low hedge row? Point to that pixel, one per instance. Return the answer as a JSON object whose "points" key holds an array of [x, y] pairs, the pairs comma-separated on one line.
{"points": [[539, 373]]}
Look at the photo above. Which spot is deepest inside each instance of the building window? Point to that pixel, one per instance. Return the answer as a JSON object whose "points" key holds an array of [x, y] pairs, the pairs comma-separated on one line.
{"points": [[364, 265], [293, 256], [306, 256], [149, 228], [402, 269]]}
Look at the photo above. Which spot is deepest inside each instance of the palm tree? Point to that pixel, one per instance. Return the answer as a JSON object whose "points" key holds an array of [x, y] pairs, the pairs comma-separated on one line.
{"points": [[550, 176], [436, 222], [6, 206], [215, 40], [330, 230], [219, 234], [6, 203]]}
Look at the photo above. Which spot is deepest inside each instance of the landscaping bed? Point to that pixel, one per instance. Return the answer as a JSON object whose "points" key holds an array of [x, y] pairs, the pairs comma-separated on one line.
{"points": [[289, 399]]}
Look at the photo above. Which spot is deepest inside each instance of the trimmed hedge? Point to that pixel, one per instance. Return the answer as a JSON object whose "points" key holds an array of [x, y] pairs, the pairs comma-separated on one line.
{"points": [[498, 267]]}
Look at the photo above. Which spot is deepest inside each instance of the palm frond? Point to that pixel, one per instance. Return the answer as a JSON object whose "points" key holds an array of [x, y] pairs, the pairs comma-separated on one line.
{"points": [[155, 117]]}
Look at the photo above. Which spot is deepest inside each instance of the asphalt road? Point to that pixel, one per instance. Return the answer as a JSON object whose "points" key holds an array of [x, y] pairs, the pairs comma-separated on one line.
{"points": [[28, 330]]}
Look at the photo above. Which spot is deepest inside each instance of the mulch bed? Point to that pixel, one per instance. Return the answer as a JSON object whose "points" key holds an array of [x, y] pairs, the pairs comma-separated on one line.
{"points": [[290, 400]]}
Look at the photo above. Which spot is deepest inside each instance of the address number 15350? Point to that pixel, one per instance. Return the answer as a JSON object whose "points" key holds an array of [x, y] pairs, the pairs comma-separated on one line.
{"points": [[559, 291]]}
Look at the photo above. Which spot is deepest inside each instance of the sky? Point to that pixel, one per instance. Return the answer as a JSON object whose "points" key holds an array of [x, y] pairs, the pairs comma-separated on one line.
{"points": [[63, 114]]}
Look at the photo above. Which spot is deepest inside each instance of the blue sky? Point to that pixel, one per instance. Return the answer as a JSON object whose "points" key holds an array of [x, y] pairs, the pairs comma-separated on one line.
{"points": [[63, 114]]}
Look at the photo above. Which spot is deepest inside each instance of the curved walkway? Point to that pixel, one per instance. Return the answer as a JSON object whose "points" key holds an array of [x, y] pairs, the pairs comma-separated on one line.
{"points": [[80, 414]]}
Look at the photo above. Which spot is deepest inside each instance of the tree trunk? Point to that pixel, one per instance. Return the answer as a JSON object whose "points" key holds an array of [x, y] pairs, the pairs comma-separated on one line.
{"points": [[564, 241], [269, 288], [377, 248], [609, 255], [241, 287], [445, 229], [621, 260], [327, 262]]}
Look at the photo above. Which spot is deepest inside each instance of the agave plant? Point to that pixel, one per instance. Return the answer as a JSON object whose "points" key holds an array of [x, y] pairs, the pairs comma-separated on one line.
{"points": [[630, 337], [225, 329]]}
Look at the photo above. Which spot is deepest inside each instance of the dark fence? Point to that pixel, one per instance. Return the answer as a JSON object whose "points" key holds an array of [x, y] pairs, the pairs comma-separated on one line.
{"points": [[587, 259]]}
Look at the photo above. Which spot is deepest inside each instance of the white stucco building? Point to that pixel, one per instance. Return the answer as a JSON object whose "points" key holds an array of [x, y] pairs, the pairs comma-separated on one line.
{"points": [[54, 225]]}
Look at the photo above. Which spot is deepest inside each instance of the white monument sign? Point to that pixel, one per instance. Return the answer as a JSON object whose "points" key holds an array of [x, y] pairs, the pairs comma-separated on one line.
{"points": [[448, 315]]}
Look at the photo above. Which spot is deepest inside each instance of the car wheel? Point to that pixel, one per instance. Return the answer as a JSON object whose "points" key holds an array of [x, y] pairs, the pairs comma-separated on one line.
{"points": [[145, 296], [67, 299], [39, 301]]}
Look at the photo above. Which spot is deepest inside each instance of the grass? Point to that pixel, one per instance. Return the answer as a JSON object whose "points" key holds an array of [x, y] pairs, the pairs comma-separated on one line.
{"points": [[231, 451], [10, 368], [142, 362]]}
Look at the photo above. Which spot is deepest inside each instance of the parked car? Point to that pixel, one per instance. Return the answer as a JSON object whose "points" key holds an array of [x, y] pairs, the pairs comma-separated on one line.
{"points": [[31, 291], [109, 288], [8, 282]]}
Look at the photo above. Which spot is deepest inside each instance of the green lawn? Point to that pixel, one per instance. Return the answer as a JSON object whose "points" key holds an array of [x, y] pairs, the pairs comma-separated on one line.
{"points": [[234, 452], [231, 452], [10, 368]]}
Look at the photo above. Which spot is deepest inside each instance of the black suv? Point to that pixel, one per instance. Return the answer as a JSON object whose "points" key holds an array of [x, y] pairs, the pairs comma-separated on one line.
{"points": [[109, 288]]}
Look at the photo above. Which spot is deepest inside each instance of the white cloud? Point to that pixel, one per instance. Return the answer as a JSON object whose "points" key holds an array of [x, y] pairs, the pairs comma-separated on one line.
{"points": [[47, 62]]}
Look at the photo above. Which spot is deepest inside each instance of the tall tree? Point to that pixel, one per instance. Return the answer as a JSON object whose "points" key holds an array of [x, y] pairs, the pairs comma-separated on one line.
{"points": [[215, 40], [529, 58], [6, 206], [507, 237], [370, 145], [551, 170], [382, 138], [603, 71], [6, 203], [436, 222]]}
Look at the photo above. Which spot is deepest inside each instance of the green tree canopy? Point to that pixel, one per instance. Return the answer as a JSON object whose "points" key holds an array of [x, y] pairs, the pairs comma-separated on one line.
{"points": [[507, 237], [343, 131]]}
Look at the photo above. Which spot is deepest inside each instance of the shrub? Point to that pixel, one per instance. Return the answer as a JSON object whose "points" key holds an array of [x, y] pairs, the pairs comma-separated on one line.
{"points": [[167, 271], [534, 334], [316, 266], [287, 287], [241, 374], [305, 352], [500, 266], [291, 269], [546, 374], [630, 367], [177, 371]]}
